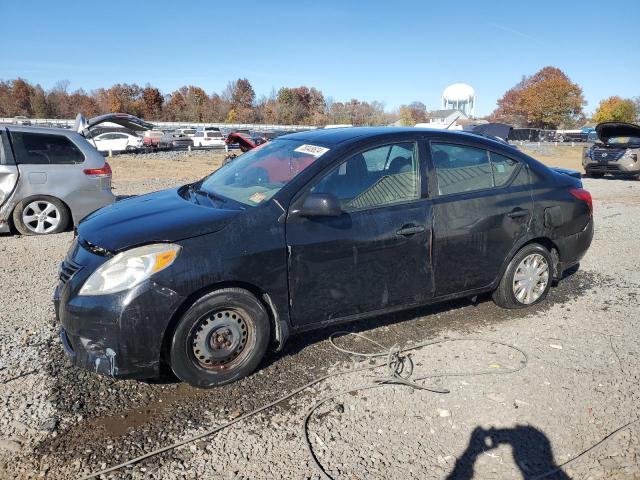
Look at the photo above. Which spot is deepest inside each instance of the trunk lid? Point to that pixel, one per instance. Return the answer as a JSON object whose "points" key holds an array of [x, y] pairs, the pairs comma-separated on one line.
{"points": [[83, 126]]}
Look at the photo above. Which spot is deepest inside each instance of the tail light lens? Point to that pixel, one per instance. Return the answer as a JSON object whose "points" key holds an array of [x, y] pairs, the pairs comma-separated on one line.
{"points": [[584, 195], [105, 171]]}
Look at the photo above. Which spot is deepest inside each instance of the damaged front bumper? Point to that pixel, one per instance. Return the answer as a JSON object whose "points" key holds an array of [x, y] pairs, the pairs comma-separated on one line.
{"points": [[119, 335]]}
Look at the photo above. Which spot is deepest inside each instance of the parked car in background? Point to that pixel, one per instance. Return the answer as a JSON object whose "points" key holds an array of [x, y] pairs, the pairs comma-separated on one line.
{"points": [[307, 230], [189, 132], [208, 137], [175, 140], [616, 153], [116, 142], [21, 120], [151, 138], [49, 179]]}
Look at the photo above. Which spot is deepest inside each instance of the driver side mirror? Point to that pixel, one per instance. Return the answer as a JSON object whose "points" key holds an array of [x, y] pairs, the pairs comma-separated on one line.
{"points": [[321, 205]]}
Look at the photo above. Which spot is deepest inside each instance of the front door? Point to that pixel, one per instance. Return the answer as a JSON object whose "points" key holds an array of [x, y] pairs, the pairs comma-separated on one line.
{"points": [[374, 256], [482, 210]]}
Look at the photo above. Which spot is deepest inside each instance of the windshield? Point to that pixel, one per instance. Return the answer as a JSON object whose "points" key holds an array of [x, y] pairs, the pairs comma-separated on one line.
{"points": [[623, 140], [259, 174]]}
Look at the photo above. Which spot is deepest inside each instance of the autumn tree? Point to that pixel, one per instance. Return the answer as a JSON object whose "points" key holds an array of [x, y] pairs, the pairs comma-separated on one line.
{"points": [[547, 99], [151, 103], [616, 109], [21, 93], [175, 106], [415, 112], [127, 98], [241, 96]]}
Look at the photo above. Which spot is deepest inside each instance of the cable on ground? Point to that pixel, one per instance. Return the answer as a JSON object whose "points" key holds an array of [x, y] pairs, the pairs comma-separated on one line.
{"points": [[399, 369]]}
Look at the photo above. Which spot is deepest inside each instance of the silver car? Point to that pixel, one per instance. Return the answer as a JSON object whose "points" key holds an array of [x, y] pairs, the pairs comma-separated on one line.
{"points": [[49, 179]]}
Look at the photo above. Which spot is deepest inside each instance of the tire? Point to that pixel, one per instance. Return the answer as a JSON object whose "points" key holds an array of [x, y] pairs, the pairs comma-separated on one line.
{"points": [[41, 216], [221, 338], [505, 295], [595, 174]]}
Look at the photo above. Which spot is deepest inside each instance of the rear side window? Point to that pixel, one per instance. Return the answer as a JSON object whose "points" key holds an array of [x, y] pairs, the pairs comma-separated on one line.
{"points": [[38, 148], [461, 169], [503, 168]]}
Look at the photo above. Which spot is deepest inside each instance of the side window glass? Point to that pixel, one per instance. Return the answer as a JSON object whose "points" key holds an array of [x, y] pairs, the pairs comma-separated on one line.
{"points": [[460, 168], [503, 168], [375, 178], [37, 148]]}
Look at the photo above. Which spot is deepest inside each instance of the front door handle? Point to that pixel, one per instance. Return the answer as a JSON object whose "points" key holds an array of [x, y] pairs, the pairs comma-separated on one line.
{"points": [[409, 230], [518, 212]]}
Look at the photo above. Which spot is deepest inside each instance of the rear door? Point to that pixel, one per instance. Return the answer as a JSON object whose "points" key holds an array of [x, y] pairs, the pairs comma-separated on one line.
{"points": [[376, 255], [48, 163], [482, 209]]}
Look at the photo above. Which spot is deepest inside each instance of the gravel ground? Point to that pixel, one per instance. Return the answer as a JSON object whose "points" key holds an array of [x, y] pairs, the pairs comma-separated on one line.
{"points": [[581, 382]]}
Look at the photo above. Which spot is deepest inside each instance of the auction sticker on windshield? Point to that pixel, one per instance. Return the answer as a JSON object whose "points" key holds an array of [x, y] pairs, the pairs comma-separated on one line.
{"points": [[313, 150]]}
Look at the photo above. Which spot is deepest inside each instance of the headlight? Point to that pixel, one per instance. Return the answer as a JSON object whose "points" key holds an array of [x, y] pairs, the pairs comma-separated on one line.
{"points": [[628, 155], [130, 268]]}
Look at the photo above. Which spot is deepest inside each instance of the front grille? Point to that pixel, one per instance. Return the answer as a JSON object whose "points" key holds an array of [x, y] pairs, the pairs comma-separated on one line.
{"points": [[607, 154], [604, 168], [67, 270]]}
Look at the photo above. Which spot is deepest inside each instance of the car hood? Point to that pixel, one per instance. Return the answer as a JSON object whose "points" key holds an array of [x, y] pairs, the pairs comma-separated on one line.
{"points": [[162, 216], [83, 126], [607, 130]]}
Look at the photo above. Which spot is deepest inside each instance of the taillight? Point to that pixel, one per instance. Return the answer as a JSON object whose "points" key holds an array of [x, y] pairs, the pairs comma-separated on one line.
{"points": [[584, 195], [105, 171]]}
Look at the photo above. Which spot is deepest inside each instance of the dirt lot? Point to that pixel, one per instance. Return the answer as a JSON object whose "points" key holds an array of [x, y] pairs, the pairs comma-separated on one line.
{"points": [[580, 383]]}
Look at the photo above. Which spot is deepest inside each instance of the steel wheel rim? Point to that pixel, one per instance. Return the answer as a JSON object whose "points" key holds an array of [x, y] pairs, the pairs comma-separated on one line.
{"points": [[219, 341], [531, 278], [41, 216]]}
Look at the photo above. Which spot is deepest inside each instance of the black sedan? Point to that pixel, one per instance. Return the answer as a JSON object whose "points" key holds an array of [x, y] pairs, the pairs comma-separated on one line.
{"points": [[306, 230]]}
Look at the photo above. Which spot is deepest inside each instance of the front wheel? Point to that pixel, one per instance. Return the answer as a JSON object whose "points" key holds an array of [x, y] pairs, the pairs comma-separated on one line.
{"points": [[527, 279], [220, 339]]}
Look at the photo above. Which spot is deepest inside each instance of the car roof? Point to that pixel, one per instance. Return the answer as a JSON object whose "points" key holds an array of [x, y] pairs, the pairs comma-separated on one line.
{"points": [[335, 136], [42, 130]]}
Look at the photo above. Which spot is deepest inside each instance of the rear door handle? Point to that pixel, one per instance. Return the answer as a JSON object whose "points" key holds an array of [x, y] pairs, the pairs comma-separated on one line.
{"points": [[518, 212], [409, 230]]}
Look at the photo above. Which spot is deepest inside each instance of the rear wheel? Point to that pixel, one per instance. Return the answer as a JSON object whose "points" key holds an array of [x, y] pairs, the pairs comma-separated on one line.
{"points": [[220, 339], [41, 216], [527, 279]]}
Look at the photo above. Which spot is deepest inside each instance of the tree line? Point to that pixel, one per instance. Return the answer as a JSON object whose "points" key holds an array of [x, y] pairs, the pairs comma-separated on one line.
{"points": [[546, 99], [237, 103]]}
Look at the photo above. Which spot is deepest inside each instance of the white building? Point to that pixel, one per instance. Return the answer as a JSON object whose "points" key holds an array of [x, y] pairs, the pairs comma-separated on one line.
{"points": [[444, 119]]}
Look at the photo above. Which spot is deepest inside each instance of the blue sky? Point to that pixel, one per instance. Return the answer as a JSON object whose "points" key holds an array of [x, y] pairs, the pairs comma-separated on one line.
{"points": [[392, 51]]}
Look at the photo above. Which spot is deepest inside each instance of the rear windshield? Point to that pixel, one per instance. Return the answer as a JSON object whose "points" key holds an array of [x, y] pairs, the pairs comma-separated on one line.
{"points": [[188, 132], [214, 135]]}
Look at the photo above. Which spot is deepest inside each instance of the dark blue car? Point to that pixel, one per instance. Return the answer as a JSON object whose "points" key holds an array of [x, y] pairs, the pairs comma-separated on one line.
{"points": [[308, 230]]}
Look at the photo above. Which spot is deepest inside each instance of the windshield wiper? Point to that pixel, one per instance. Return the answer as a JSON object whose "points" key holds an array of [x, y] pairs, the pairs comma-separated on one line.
{"points": [[195, 190]]}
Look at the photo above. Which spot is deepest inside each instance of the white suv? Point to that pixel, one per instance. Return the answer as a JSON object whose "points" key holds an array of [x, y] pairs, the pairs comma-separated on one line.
{"points": [[208, 137]]}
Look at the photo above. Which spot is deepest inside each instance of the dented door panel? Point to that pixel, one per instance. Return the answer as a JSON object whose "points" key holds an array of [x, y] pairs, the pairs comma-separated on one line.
{"points": [[475, 232], [8, 180]]}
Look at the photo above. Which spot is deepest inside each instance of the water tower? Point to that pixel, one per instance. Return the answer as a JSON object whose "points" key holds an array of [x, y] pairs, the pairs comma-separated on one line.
{"points": [[460, 96]]}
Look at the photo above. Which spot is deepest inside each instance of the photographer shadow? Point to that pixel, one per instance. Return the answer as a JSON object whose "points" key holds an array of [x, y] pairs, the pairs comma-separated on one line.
{"points": [[531, 449]]}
